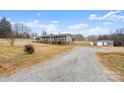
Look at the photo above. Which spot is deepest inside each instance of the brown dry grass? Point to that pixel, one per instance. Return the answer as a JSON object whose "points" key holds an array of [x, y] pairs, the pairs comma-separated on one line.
{"points": [[81, 43], [13, 58], [113, 61], [114, 49]]}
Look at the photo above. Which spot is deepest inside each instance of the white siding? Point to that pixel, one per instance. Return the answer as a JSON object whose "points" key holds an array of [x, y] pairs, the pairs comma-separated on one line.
{"points": [[68, 38], [99, 43], [104, 43]]}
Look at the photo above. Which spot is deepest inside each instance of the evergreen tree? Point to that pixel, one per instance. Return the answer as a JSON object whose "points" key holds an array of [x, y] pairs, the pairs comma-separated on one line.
{"points": [[5, 28]]}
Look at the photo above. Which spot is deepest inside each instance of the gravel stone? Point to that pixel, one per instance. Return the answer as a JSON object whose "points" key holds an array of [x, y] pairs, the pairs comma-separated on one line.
{"points": [[78, 65]]}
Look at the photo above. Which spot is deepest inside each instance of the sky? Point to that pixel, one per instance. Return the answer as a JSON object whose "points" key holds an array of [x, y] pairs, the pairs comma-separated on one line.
{"points": [[85, 22]]}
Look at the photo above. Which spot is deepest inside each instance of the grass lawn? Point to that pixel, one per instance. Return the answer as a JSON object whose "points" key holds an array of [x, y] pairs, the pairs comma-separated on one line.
{"points": [[13, 58], [114, 61]]}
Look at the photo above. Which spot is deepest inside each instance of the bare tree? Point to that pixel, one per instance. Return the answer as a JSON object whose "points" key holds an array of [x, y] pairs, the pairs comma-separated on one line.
{"points": [[33, 35], [17, 30], [117, 37], [21, 30], [44, 33]]}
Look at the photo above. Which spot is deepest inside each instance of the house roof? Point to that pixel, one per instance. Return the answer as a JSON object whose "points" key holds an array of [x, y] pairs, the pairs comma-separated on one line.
{"points": [[104, 40], [56, 35]]}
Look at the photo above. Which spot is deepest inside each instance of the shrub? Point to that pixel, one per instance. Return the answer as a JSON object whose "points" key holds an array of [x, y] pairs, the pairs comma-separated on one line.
{"points": [[29, 49]]}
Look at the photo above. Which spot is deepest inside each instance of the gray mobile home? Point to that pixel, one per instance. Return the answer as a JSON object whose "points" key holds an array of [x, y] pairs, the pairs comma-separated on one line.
{"points": [[56, 39]]}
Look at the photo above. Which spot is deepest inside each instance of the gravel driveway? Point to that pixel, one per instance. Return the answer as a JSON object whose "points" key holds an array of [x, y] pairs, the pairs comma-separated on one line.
{"points": [[80, 64]]}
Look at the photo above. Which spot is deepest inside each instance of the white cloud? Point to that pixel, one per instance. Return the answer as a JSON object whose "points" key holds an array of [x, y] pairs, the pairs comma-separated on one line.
{"points": [[112, 15], [52, 28], [55, 22], [9, 19], [93, 16], [35, 21], [37, 26], [107, 23], [78, 26], [33, 24], [96, 31]]}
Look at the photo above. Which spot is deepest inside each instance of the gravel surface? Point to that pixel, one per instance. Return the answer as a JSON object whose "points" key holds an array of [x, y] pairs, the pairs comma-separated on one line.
{"points": [[80, 64]]}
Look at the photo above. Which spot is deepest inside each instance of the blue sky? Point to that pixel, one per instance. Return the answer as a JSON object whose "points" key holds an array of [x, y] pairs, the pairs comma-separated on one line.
{"points": [[86, 22]]}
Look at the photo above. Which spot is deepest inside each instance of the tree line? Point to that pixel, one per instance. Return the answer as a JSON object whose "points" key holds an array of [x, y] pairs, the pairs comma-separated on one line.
{"points": [[12, 31], [18, 30], [117, 37]]}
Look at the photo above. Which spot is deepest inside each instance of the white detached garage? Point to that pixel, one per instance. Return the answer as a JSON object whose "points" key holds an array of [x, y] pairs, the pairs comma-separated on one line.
{"points": [[104, 43]]}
